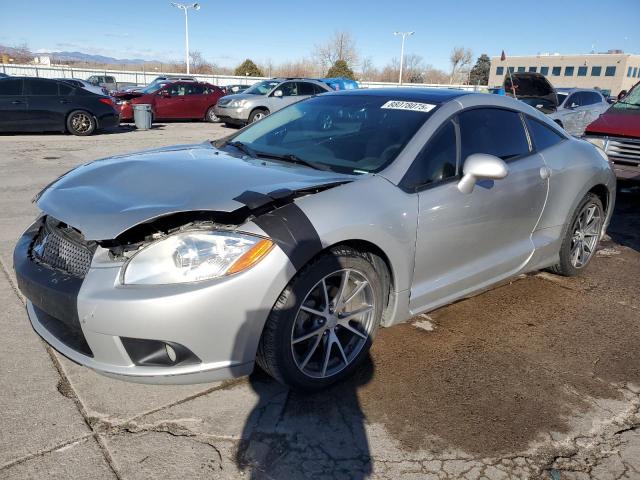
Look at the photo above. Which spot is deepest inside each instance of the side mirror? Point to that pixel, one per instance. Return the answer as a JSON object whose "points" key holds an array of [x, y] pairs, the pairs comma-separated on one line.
{"points": [[277, 93], [481, 166], [165, 94]]}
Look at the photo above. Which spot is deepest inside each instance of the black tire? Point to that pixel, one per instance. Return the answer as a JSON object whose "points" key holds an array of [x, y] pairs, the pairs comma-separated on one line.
{"points": [[276, 349], [565, 266], [81, 123], [258, 114], [211, 116]]}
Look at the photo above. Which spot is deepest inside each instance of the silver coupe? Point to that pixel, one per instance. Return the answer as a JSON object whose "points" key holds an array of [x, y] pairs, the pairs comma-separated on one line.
{"points": [[290, 242]]}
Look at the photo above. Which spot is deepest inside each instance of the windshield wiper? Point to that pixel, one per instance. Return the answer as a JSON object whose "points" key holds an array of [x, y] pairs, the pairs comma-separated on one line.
{"points": [[291, 158], [243, 147]]}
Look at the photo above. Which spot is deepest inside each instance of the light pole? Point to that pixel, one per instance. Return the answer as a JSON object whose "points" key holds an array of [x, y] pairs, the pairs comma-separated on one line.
{"points": [[195, 6], [404, 35]]}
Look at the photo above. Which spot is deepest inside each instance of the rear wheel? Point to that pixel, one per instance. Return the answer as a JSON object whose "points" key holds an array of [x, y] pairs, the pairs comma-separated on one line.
{"points": [[322, 326], [81, 123], [211, 115], [582, 237], [258, 114]]}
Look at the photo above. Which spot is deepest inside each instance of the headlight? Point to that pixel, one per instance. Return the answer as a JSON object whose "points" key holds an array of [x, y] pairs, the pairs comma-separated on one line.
{"points": [[193, 256], [236, 103], [597, 141]]}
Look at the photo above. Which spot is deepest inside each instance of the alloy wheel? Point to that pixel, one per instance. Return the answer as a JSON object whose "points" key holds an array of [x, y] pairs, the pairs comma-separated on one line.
{"points": [[586, 231], [333, 323], [258, 116], [81, 122]]}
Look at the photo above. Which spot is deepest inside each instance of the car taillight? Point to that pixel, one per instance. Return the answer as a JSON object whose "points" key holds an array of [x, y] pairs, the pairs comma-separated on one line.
{"points": [[107, 101]]}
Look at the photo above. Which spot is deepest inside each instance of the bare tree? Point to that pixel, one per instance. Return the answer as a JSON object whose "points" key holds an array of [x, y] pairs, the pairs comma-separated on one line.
{"points": [[368, 71], [460, 59], [341, 46]]}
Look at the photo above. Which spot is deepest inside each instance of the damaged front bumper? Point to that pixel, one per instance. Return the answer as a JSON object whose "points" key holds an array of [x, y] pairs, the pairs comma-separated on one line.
{"points": [[172, 334]]}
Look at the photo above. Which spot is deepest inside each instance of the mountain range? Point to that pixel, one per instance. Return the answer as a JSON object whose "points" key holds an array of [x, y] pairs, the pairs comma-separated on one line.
{"points": [[86, 57]]}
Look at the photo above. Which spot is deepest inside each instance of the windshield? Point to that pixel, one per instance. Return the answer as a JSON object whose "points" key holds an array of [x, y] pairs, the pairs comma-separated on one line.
{"points": [[154, 87], [348, 134], [262, 88], [630, 102]]}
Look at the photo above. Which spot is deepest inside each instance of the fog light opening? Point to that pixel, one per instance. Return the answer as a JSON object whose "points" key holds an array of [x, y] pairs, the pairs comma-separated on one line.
{"points": [[171, 353]]}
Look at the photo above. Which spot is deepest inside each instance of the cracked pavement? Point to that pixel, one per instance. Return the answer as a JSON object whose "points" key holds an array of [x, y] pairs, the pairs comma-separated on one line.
{"points": [[537, 378]]}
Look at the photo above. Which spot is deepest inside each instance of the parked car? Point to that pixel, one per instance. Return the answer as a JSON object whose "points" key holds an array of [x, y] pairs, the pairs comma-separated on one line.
{"points": [[3, 75], [572, 109], [128, 94], [106, 81], [39, 104], [266, 97], [577, 108], [617, 132], [177, 101], [76, 82], [234, 88], [292, 241], [340, 83]]}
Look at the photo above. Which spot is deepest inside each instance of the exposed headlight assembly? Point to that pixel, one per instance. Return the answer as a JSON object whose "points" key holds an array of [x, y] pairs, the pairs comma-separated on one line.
{"points": [[601, 143], [195, 255]]}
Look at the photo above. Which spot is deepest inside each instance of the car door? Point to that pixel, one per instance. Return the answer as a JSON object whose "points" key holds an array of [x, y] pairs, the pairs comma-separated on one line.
{"points": [[570, 115], [46, 109], [467, 241], [169, 101], [13, 106], [289, 95], [595, 106], [195, 101]]}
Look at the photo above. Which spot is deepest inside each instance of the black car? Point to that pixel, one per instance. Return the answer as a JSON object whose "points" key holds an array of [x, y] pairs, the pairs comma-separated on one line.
{"points": [[39, 104]]}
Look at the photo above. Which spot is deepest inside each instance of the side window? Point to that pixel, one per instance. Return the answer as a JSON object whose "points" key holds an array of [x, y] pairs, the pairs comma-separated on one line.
{"points": [[110, 79], [177, 90], [305, 88], [493, 131], [40, 86], [594, 98], [437, 161], [195, 89], [12, 86], [289, 89], [542, 136], [65, 88], [573, 100]]}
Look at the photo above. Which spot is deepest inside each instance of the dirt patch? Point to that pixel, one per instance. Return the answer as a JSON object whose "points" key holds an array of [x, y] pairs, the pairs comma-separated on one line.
{"points": [[503, 369]]}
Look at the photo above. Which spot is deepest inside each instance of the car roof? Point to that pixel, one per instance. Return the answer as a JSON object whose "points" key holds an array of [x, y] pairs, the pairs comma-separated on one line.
{"points": [[571, 90], [426, 95]]}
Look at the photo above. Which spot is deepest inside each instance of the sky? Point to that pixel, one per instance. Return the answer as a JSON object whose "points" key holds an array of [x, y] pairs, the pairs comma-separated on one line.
{"points": [[287, 30]]}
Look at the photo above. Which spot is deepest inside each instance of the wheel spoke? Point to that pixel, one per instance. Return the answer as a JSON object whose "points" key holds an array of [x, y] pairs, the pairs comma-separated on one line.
{"points": [[312, 311], [351, 315], [326, 294], [327, 355], [357, 290], [306, 336], [574, 255], [337, 342], [353, 329], [344, 281], [313, 349]]}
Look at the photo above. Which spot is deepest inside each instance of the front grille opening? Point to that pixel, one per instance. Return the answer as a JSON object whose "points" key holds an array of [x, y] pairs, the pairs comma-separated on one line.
{"points": [[156, 353], [70, 336], [61, 247]]}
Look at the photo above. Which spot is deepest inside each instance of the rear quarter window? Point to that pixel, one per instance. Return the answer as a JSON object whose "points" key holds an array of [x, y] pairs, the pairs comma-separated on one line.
{"points": [[12, 86], [542, 135]]}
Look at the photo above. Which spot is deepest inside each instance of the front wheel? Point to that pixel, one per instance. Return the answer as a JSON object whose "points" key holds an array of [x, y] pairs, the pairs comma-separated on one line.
{"points": [[323, 323], [258, 114], [581, 238], [81, 123], [211, 115]]}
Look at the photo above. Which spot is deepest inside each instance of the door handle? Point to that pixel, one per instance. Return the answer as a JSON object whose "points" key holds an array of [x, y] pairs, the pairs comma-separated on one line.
{"points": [[545, 172], [17, 102]]}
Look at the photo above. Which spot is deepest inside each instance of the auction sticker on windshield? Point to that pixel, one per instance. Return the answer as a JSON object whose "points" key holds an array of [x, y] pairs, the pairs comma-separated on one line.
{"points": [[414, 106]]}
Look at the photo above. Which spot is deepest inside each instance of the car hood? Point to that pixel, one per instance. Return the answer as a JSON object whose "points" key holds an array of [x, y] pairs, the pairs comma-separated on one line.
{"points": [[105, 198], [530, 85], [617, 122]]}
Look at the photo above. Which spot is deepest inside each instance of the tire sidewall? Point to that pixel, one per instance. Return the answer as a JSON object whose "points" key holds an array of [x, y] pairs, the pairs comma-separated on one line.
{"points": [[210, 113], [70, 128], [285, 312]]}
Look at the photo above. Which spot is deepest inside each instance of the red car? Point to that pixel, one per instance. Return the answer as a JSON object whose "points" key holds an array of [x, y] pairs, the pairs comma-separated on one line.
{"points": [[617, 132], [176, 101]]}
